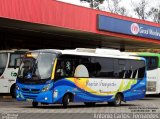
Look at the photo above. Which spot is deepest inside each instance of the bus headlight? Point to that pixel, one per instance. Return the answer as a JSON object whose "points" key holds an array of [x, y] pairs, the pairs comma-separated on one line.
{"points": [[17, 87], [46, 88]]}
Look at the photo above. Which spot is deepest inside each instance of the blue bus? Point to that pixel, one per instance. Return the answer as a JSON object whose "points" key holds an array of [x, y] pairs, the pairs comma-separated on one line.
{"points": [[80, 75]]}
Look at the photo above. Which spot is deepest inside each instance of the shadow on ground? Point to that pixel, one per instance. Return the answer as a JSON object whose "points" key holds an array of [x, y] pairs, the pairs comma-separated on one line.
{"points": [[77, 106]]}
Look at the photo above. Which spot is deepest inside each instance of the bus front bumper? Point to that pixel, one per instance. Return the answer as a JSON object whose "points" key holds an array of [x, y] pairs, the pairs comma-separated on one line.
{"points": [[42, 97]]}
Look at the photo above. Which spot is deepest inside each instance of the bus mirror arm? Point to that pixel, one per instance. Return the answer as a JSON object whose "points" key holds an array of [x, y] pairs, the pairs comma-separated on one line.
{"points": [[15, 64]]}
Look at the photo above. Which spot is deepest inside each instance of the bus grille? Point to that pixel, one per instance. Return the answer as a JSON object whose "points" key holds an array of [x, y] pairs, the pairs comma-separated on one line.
{"points": [[26, 90], [151, 86], [30, 96]]}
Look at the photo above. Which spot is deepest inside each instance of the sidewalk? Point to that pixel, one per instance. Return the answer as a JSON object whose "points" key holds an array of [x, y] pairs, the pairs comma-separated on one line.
{"points": [[5, 96]]}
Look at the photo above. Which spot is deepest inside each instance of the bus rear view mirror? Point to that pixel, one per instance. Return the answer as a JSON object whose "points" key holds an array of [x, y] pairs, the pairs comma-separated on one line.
{"points": [[15, 64]]}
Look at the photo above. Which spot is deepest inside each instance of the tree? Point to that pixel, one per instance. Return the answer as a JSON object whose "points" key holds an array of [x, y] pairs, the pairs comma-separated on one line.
{"points": [[114, 7], [154, 13], [94, 3], [140, 9]]}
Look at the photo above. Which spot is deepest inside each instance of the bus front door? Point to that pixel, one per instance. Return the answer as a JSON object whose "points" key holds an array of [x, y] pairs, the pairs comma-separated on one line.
{"points": [[3, 85]]}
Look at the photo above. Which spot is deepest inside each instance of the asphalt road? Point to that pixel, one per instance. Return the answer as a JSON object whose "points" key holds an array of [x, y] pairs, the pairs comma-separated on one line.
{"points": [[10, 108]]}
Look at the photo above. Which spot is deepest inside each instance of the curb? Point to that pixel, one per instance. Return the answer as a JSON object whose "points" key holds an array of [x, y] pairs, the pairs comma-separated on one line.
{"points": [[5, 97]]}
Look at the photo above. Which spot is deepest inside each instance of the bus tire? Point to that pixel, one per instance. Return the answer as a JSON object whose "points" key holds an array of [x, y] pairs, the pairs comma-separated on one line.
{"points": [[89, 104], [13, 91], [34, 104], [117, 101], [66, 100]]}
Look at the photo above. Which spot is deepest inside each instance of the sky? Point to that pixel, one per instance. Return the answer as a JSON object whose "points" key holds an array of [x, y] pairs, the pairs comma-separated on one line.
{"points": [[126, 3]]}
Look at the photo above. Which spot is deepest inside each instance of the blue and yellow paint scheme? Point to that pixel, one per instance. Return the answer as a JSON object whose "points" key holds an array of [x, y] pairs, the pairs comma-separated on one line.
{"points": [[131, 89], [83, 89]]}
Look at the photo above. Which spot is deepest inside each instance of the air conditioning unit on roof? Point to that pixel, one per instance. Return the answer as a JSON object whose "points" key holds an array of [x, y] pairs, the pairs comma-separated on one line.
{"points": [[102, 51], [108, 51], [85, 50]]}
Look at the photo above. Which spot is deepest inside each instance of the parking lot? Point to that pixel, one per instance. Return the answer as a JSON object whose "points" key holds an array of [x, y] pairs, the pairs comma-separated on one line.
{"points": [[148, 105]]}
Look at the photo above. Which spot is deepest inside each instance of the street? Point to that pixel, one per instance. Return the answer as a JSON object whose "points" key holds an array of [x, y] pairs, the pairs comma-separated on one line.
{"points": [[148, 105]]}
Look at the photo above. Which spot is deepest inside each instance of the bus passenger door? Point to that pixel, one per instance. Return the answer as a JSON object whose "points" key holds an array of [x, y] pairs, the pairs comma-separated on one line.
{"points": [[152, 75], [3, 68], [11, 72]]}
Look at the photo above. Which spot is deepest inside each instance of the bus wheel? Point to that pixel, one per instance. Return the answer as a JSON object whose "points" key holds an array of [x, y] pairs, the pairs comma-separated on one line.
{"points": [[90, 104], [34, 104], [13, 91], [66, 100], [117, 101]]}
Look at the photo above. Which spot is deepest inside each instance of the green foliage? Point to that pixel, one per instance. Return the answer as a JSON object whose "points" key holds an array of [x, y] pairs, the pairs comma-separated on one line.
{"points": [[140, 9], [100, 1], [155, 14], [94, 3]]}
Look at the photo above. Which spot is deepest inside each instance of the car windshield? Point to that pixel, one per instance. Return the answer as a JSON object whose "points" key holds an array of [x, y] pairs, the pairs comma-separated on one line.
{"points": [[36, 66], [3, 62]]}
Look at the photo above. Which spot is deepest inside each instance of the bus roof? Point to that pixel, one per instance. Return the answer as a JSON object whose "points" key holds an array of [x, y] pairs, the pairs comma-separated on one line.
{"points": [[14, 50], [93, 52]]}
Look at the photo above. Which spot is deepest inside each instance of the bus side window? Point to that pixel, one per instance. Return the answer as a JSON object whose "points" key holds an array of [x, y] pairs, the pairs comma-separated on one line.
{"points": [[68, 68], [96, 69], [138, 68], [64, 68], [104, 67], [134, 68], [122, 64], [3, 62], [141, 72], [14, 57], [134, 74], [147, 61], [60, 69], [121, 71], [151, 62], [128, 74]]}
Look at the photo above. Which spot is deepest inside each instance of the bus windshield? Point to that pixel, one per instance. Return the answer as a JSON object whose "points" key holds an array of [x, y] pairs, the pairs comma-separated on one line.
{"points": [[3, 62], [152, 62], [36, 67]]}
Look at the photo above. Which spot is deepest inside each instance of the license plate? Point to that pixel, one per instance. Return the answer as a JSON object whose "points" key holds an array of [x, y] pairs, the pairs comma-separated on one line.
{"points": [[29, 100]]}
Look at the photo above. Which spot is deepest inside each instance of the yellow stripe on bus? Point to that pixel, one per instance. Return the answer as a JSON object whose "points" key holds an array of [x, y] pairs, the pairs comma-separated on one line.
{"points": [[54, 69]]}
